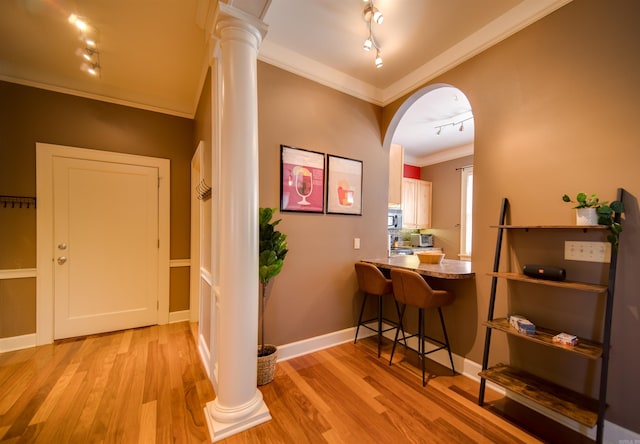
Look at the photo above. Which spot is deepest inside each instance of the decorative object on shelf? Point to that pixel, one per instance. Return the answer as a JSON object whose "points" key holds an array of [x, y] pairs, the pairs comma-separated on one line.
{"points": [[272, 251], [17, 201], [301, 180], [344, 186], [565, 339], [545, 272], [522, 324], [608, 214], [371, 15]]}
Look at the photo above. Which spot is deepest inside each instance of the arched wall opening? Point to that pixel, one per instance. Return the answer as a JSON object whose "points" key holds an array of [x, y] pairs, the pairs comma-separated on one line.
{"points": [[435, 128]]}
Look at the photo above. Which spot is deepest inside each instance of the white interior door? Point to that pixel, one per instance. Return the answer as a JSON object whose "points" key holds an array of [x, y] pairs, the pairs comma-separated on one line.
{"points": [[105, 246]]}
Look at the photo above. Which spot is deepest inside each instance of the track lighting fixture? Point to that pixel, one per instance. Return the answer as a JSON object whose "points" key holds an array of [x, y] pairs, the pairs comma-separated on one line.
{"points": [[89, 53], [454, 123], [371, 15]]}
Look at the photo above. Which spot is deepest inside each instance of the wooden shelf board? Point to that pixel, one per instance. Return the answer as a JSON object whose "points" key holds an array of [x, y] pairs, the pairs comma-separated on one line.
{"points": [[552, 227], [589, 349], [593, 288], [576, 406]]}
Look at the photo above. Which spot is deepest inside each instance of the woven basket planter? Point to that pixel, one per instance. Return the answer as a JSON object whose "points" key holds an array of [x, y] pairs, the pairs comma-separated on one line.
{"points": [[267, 364]]}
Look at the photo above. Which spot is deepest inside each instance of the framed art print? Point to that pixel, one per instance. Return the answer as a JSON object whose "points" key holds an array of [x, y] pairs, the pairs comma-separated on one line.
{"points": [[344, 185], [301, 180]]}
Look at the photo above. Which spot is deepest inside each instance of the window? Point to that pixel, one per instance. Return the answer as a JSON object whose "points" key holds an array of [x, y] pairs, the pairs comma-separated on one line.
{"points": [[466, 213]]}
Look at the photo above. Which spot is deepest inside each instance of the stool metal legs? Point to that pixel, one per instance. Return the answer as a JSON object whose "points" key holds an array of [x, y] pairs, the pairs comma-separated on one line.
{"points": [[422, 337], [396, 325]]}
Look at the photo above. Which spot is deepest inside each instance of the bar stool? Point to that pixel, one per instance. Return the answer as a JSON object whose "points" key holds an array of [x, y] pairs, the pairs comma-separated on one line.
{"points": [[411, 289], [372, 282]]}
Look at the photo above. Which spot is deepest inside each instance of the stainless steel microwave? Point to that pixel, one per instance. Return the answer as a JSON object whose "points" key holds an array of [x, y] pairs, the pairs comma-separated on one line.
{"points": [[394, 219]]}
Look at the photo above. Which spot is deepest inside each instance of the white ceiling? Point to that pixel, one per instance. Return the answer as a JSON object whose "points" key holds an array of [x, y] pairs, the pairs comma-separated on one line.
{"points": [[154, 53]]}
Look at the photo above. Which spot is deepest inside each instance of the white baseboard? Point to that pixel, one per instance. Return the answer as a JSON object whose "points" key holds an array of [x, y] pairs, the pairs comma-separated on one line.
{"points": [[17, 342], [179, 316], [306, 346]]}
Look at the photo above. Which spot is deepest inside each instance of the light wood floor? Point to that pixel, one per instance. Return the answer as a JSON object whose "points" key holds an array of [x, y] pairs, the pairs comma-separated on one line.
{"points": [[148, 385]]}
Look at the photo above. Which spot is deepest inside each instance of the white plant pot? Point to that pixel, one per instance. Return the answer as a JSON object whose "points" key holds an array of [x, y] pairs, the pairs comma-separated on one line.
{"points": [[586, 216]]}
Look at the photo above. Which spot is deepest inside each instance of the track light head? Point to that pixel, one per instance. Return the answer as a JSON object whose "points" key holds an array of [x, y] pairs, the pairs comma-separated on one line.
{"points": [[368, 44], [377, 16], [371, 13], [379, 63]]}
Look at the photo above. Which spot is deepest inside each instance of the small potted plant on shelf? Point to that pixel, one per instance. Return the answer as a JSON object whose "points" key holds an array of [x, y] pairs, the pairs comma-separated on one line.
{"points": [[601, 213], [272, 251]]}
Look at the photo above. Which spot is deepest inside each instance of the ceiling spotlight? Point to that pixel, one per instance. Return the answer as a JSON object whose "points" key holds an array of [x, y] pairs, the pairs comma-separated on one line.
{"points": [[90, 43], [373, 13], [89, 54], [78, 22], [378, 60], [94, 69], [377, 16]]}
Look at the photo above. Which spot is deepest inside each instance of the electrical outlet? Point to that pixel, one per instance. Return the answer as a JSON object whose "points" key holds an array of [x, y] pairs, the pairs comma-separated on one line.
{"points": [[587, 251]]}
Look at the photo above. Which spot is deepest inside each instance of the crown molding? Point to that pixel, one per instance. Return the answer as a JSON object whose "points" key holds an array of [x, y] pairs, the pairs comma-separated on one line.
{"points": [[516, 19]]}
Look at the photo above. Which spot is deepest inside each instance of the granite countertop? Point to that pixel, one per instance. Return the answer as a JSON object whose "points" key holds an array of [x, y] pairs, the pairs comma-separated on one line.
{"points": [[447, 269]]}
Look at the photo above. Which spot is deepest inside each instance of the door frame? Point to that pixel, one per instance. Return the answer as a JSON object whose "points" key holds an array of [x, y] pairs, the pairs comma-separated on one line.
{"points": [[45, 154]]}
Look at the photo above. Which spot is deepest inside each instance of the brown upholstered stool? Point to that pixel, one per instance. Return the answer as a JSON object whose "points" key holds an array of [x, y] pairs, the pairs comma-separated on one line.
{"points": [[411, 289], [373, 283]]}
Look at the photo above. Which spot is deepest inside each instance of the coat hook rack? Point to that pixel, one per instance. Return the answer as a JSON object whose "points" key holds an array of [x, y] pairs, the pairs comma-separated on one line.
{"points": [[17, 201], [203, 190]]}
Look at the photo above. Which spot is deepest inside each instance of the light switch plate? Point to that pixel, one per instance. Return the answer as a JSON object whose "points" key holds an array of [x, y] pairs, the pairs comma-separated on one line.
{"points": [[356, 243], [587, 251]]}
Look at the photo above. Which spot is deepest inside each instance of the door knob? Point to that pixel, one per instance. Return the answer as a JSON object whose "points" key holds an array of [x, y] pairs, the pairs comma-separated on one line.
{"points": [[62, 260], [62, 246]]}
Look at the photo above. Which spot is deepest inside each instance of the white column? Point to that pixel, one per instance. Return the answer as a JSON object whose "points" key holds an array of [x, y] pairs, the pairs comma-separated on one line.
{"points": [[238, 404]]}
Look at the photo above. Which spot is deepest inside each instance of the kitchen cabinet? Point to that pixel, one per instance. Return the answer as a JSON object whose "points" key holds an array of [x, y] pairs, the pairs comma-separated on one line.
{"points": [[416, 203], [396, 169], [576, 406]]}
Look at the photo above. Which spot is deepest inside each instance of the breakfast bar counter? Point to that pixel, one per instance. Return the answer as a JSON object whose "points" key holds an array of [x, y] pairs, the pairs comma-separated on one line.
{"points": [[447, 269]]}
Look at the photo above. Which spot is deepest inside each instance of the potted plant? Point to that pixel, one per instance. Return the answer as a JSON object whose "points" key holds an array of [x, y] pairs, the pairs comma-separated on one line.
{"points": [[272, 251], [605, 214]]}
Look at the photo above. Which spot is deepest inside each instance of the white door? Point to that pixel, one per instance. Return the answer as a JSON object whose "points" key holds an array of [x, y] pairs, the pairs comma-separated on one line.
{"points": [[106, 246]]}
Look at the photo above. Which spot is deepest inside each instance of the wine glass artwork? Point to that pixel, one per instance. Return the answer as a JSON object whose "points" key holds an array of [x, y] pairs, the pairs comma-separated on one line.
{"points": [[304, 184]]}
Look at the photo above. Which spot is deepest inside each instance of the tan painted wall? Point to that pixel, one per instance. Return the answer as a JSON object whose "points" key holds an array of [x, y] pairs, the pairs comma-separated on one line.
{"points": [[445, 203], [556, 107], [316, 291], [29, 115]]}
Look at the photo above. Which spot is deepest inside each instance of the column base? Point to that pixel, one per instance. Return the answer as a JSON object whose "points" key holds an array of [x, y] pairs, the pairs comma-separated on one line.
{"points": [[224, 422]]}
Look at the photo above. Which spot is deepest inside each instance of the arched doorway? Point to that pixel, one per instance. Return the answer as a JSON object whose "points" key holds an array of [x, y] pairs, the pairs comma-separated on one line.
{"points": [[435, 129]]}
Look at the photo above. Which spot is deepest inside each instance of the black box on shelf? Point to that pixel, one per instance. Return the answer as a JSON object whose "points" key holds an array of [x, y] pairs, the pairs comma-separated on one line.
{"points": [[545, 272]]}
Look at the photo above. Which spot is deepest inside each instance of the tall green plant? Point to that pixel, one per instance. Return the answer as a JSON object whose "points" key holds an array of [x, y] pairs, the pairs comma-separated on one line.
{"points": [[272, 251]]}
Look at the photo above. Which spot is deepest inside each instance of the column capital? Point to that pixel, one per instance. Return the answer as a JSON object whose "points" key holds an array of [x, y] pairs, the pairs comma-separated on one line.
{"points": [[229, 17]]}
